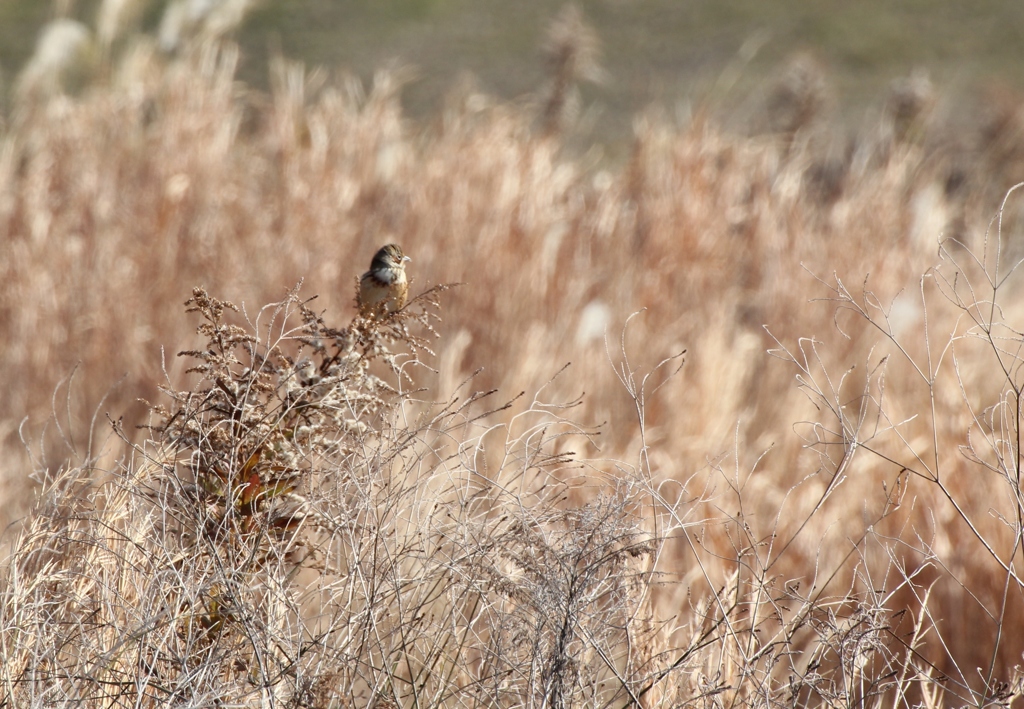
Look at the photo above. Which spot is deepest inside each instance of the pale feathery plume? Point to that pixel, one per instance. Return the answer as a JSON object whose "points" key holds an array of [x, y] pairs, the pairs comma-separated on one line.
{"points": [[64, 51], [117, 18], [184, 20]]}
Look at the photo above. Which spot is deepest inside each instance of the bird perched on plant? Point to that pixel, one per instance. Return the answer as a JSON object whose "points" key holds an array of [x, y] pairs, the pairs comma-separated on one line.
{"points": [[384, 288]]}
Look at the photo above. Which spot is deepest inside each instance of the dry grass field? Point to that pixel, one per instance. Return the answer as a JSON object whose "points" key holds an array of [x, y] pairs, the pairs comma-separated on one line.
{"points": [[733, 423]]}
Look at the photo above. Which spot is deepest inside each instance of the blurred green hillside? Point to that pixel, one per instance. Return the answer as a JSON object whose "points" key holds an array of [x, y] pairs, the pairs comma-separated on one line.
{"points": [[653, 50]]}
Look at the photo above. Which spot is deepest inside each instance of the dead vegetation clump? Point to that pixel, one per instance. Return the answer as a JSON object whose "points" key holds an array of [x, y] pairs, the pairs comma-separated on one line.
{"points": [[303, 531]]}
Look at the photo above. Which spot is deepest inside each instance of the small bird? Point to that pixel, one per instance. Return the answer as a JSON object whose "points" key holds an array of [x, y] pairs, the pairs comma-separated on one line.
{"points": [[384, 288]]}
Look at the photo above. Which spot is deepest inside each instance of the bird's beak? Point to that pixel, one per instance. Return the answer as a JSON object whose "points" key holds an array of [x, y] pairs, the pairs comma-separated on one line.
{"points": [[406, 258]]}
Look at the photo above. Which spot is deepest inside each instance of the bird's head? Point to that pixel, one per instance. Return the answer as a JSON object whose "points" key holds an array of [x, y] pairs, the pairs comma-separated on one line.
{"points": [[389, 256]]}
